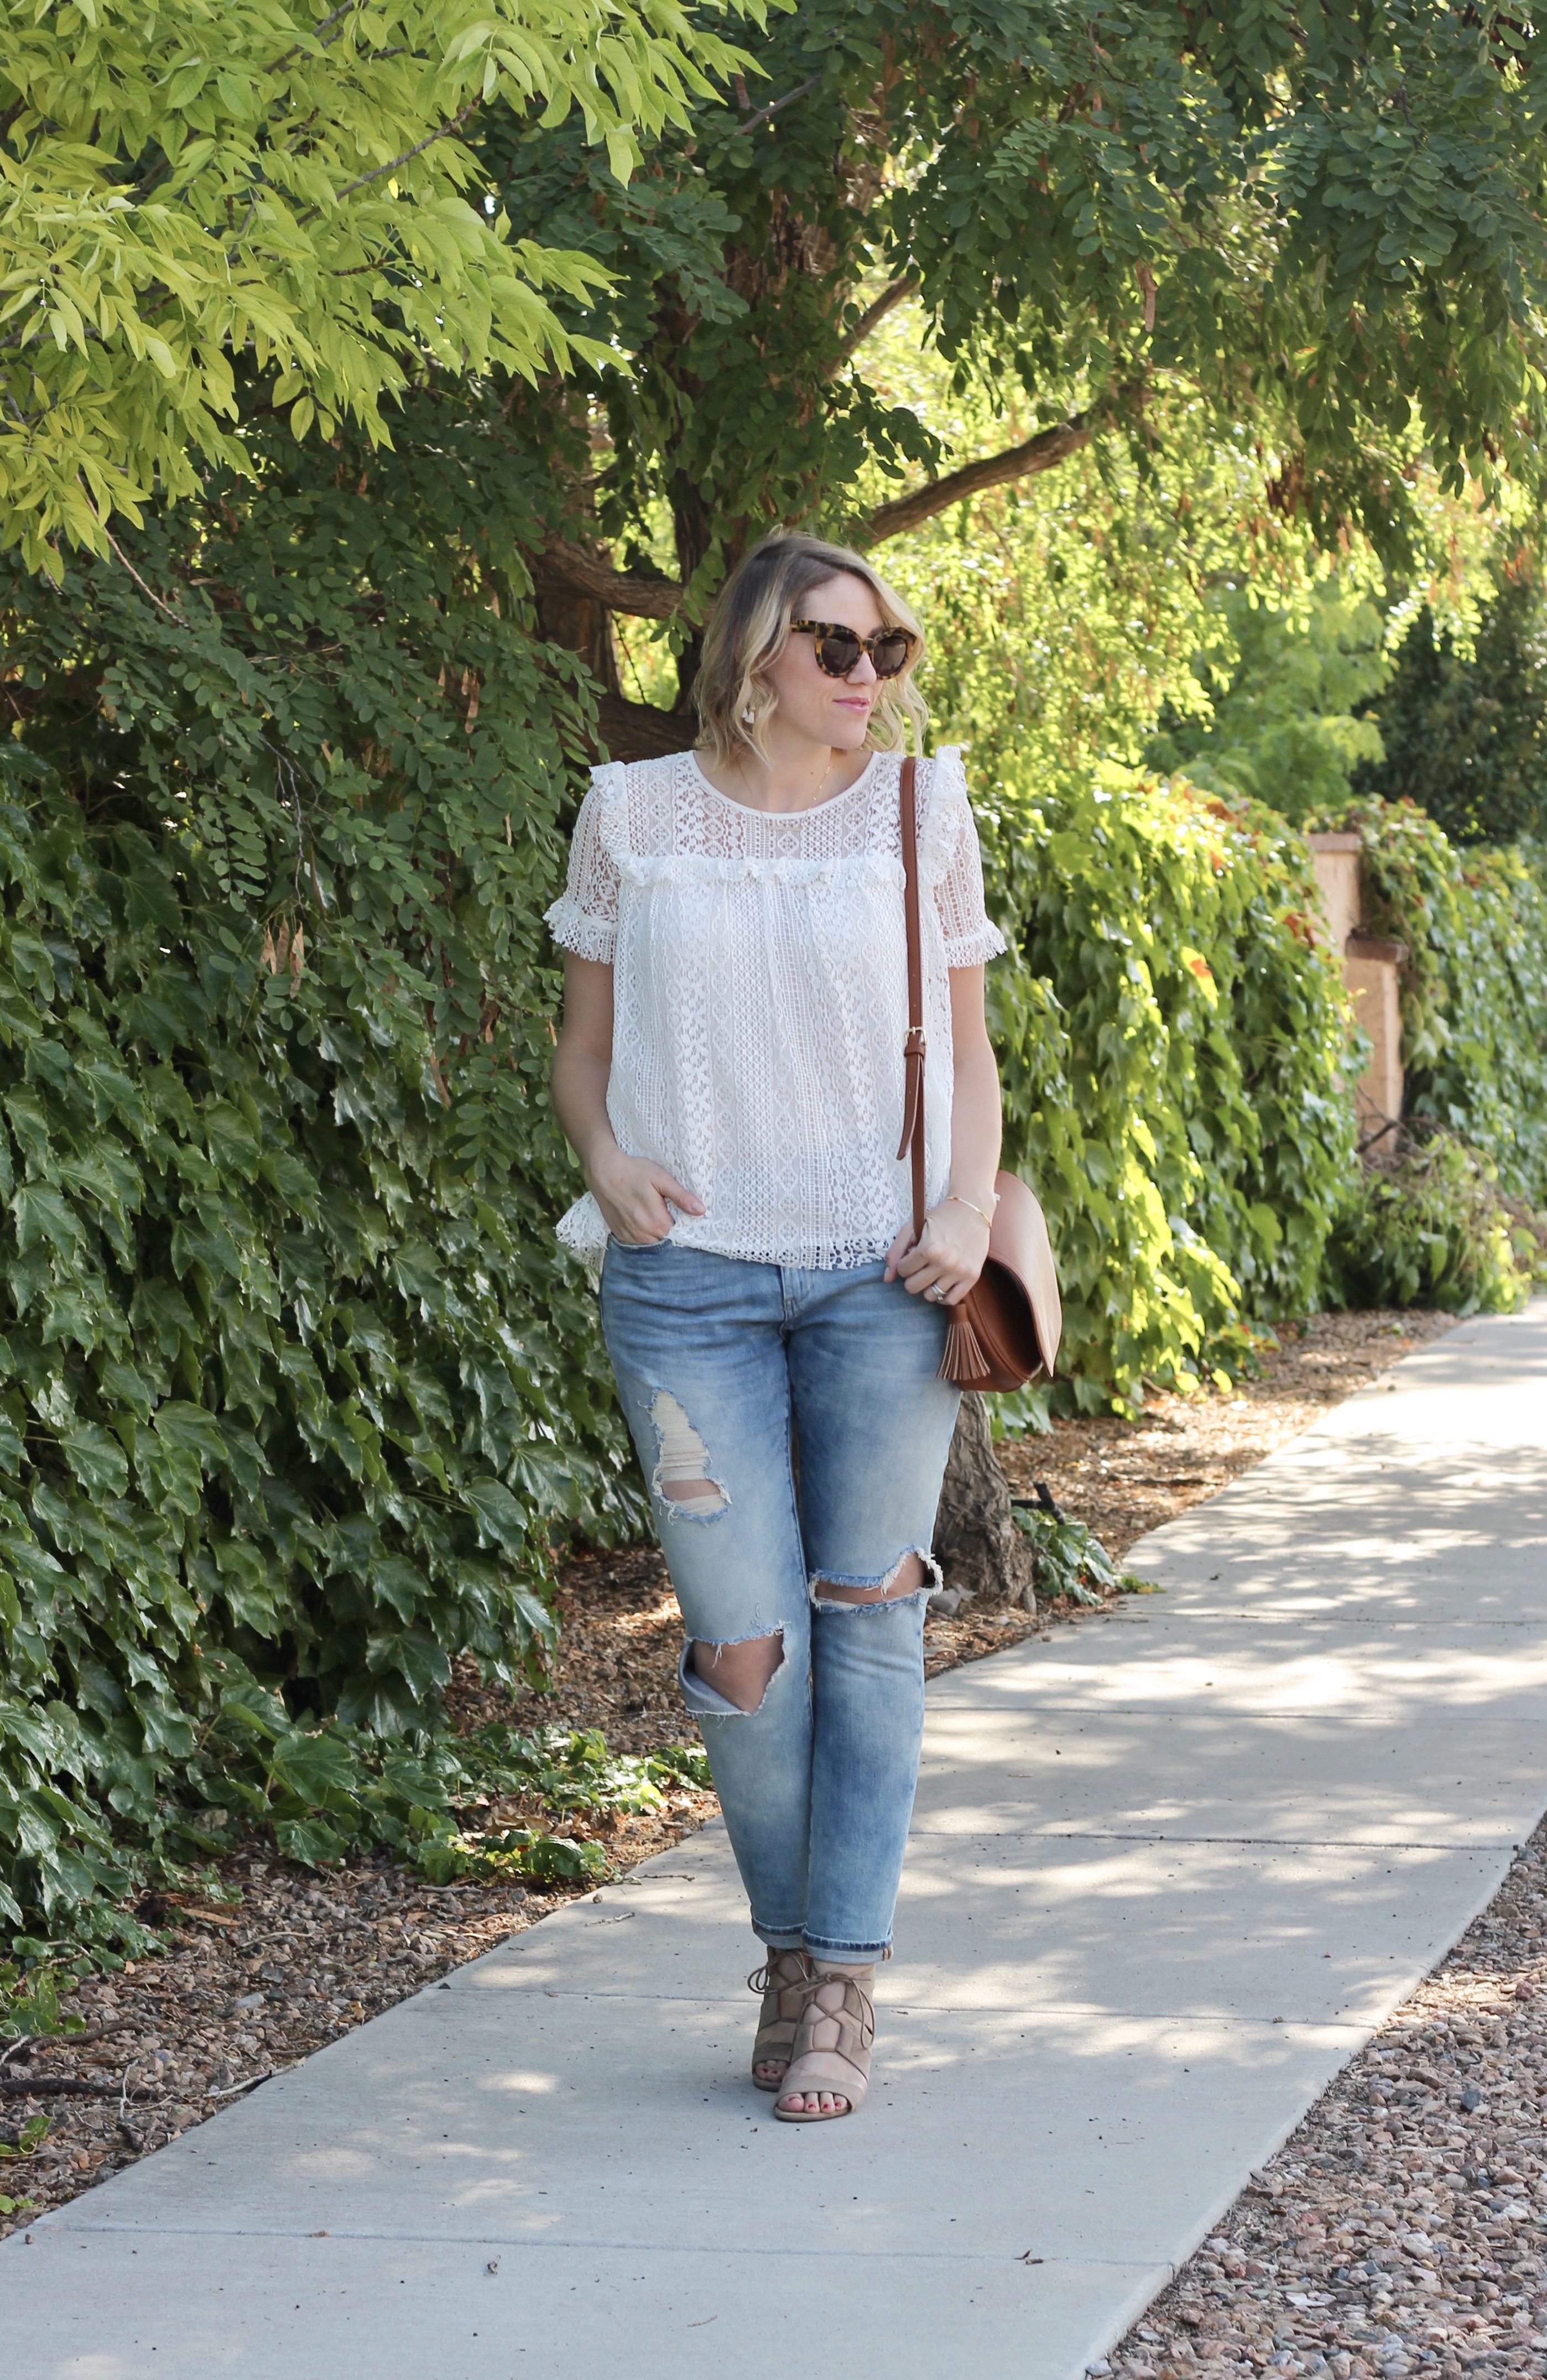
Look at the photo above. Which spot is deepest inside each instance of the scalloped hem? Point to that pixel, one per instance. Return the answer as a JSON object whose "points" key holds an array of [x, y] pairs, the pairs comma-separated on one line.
{"points": [[976, 950], [582, 1229], [575, 929]]}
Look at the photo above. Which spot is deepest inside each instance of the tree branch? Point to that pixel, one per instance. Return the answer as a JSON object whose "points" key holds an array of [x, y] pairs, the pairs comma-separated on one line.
{"points": [[751, 122], [906, 285], [1038, 454], [170, 608], [638, 731], [441, 132], [637, 595], [642, 597]]}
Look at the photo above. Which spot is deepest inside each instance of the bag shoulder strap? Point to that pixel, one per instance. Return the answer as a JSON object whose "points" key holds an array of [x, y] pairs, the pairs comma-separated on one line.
{"points": [[914, 1047]]}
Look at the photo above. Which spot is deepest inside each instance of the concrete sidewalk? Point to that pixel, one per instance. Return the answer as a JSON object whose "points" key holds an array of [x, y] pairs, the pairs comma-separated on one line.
{"points": [[1168, 1871]]}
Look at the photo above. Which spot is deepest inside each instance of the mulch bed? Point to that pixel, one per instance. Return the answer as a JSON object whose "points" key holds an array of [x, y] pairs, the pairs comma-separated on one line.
{"points": [[242, 1993]]}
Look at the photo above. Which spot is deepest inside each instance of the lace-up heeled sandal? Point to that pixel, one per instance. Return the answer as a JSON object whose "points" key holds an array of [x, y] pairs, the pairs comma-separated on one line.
{"points": [[832, 2049], [786, 1981]]}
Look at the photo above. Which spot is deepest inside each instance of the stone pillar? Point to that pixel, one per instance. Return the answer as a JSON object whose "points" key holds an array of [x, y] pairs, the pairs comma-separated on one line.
{"points": [[1370, 970], [1335, 858]]}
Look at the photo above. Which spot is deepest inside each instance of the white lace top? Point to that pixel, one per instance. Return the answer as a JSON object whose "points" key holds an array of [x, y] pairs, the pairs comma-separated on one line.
{"points": [[760, 997]]}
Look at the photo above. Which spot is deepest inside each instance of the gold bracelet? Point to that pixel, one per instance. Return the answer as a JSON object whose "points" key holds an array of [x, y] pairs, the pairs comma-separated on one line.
{"points": [[954, 1197]]}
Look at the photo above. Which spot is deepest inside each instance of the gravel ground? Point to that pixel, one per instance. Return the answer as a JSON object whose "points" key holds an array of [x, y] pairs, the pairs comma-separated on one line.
{"points": [[1402, 2228], [247, 1990]]}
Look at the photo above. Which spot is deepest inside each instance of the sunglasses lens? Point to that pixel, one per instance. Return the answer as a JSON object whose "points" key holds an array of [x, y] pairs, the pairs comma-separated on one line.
{"points": [[892, 656], [839, 653]]}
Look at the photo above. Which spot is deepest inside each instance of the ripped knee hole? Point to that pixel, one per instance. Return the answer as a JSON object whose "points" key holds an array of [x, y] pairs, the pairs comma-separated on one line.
{"points": [[742, 1672], [682, 1473], [911, 1576]]}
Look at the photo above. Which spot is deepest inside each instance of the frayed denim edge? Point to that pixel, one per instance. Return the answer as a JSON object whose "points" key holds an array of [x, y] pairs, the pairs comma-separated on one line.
{"points": [[718, 1705], [933, 1581]]}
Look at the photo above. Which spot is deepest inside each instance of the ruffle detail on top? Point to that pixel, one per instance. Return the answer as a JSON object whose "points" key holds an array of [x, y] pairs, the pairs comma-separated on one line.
{"points": [[693, 868], [609, 797], [976, 950], [945, 813], [581, 1228], [578, 930]]}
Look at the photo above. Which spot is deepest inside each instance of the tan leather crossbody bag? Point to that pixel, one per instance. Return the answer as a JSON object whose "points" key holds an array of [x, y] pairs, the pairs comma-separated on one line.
{"points": [[1006, 1328]]}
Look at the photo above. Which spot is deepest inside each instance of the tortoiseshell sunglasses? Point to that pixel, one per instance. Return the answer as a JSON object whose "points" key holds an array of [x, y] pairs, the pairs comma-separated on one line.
{"points": [[838, 649]]}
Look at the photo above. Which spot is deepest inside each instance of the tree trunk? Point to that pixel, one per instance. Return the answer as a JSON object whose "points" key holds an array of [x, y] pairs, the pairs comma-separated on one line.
{"points": [[977, 1543], [629, 731], [638, 731]]}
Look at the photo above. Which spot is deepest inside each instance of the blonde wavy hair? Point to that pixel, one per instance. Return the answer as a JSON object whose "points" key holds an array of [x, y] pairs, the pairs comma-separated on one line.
{"points": [[749, 629]]}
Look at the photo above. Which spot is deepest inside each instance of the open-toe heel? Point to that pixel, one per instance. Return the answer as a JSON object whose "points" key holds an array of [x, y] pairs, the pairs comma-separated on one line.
{"points": [[832, 2050], [786, 1980]]}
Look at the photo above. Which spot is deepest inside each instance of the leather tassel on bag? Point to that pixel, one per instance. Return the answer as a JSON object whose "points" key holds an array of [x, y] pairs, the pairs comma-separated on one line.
{"points": [[1006, 1328], [964, 1360]]}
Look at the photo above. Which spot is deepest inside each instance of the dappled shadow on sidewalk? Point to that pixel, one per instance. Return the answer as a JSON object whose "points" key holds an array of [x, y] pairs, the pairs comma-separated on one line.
{"points": [[1399, 2228]]}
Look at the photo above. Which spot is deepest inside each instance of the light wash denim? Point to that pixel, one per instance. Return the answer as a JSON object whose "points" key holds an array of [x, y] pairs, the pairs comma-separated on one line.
{"points": [[811, 1401]]}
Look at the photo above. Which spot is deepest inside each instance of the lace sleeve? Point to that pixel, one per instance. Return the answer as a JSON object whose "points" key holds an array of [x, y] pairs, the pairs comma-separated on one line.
{"points": [[584, 917], [953, 866]]}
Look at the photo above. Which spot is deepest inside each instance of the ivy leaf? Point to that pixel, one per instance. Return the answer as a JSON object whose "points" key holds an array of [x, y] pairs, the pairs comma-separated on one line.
{"points": [[318, 1767], [311, 1842], [165, 1312], [416, 1656], [43, 1216], [97, 1460], [499, 1515], [190, 1430]]}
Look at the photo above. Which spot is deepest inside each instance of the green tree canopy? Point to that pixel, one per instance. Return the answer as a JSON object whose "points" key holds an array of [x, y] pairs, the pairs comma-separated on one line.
{"points": [[1464, 732], [1290, 728], [285, 192], [1321, 222]]}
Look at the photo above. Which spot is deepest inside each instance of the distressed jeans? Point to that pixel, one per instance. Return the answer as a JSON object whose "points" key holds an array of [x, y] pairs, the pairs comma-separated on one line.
{"points": [[809, 1402]]}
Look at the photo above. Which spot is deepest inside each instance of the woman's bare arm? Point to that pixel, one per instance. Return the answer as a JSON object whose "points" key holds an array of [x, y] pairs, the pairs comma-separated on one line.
{"points": [[631, 1191], [976, 1121], [950, 1255]]}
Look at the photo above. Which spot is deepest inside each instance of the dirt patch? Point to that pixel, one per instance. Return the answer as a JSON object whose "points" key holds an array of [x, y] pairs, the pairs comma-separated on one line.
{"points": [[243, 1993]]}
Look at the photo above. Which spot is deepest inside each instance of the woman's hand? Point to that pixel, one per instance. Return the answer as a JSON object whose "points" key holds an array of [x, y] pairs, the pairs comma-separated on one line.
{"points": [[948, 1258], [632, 1193]]}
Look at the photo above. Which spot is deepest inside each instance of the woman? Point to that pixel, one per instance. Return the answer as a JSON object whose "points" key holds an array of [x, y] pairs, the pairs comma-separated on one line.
{"points": [[730, 1074]]}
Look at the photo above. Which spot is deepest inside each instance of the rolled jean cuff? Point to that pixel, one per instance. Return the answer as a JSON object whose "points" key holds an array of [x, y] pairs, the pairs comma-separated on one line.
{"points": [[853, 1954], [779, 1937]]}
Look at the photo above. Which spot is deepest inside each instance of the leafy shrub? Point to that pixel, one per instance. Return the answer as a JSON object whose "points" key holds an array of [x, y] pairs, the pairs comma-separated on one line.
{"points": [[1465, 736], [1172, 1039], [1071, 1561], [284, 1381], [325, 1792], [297, 1389], [1474, 987], [1293, 725], [1429, 1228]]}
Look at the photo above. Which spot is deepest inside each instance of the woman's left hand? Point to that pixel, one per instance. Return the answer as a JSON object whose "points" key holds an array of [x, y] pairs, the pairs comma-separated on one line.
{"points": [[948, 1258]]}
